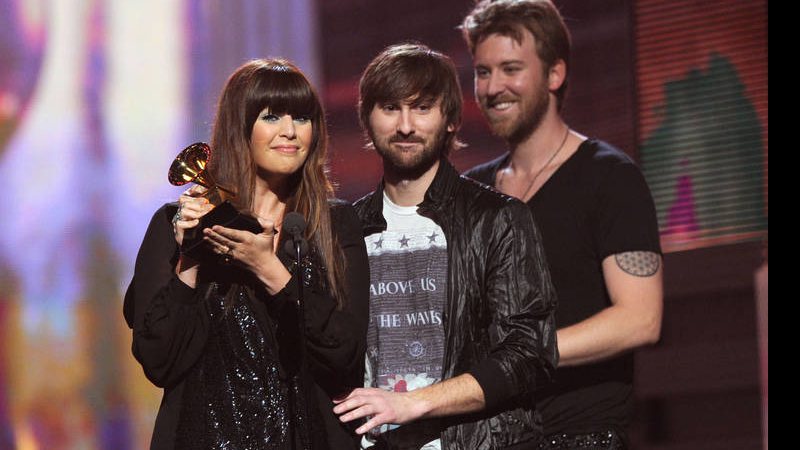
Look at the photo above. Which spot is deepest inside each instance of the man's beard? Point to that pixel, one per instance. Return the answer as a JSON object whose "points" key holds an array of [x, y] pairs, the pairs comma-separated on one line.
{"points": [[414, 167], [517, 129]]}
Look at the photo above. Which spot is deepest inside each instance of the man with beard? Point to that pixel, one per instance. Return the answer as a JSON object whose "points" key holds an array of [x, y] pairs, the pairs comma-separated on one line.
{"points": [[461, 325], [593, 207]]}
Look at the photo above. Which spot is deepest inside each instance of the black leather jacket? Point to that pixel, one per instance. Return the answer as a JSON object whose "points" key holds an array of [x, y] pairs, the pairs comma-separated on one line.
{"points": [[498, 318]]}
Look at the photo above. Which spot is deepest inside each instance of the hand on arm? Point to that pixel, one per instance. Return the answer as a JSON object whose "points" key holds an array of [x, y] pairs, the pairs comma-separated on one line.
{"points": [[458, 395], [634, 284]]}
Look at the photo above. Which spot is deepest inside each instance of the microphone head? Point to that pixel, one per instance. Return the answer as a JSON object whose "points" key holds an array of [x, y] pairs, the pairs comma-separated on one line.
{"points": [[290, 247], [294, 224]]}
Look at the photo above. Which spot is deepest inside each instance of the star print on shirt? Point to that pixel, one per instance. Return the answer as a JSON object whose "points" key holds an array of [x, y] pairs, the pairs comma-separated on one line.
{"points": [[432, 238], [379, 243], [404, 241]]}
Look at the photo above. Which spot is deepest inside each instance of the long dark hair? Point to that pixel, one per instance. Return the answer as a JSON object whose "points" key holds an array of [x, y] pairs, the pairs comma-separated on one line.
{"points": [[279, 85]]}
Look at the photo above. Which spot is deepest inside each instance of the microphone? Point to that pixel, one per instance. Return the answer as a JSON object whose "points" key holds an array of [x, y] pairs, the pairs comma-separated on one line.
{"points": [[293, 225]]}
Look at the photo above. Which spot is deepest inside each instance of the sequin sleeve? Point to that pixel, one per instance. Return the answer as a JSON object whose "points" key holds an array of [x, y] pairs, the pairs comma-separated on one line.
{"points": [[170, 325]]}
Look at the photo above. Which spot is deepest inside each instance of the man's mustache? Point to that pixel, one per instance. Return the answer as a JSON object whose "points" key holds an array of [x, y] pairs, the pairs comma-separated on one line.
{"points": [[413, 139], [499, 98]]}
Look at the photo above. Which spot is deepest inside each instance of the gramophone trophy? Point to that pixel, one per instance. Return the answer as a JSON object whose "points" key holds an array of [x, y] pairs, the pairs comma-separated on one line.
{"points": [[190, 167]]}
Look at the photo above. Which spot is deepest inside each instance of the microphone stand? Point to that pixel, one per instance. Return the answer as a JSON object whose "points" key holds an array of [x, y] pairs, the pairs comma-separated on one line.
{"points": [[294, 224], [302, 400]]}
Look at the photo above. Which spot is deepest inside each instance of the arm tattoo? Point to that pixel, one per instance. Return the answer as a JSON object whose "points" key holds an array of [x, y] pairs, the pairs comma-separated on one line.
{"points": [[639, 264]]}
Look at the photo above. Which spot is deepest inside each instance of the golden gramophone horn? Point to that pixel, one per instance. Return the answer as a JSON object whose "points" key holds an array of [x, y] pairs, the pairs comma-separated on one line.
{"points": [[190, 167]]}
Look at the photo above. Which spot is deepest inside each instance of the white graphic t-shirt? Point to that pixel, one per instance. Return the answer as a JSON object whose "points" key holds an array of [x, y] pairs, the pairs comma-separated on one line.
{"points": [[408, 271]]}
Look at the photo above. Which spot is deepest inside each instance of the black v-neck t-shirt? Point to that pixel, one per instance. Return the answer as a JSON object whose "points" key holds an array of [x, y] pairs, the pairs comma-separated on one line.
{"points": [[595, 205]]}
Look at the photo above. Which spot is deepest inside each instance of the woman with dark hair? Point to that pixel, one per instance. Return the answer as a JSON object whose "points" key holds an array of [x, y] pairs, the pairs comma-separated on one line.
{"points": [[224, 338]]}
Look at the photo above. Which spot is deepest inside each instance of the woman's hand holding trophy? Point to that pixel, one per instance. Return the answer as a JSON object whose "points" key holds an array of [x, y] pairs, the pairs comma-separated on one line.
{"points": [[204, 205]]}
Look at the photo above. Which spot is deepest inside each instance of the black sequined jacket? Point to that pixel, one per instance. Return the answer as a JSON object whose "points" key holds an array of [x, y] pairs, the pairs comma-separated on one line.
{"points": [[228, 366], [498, 317]]}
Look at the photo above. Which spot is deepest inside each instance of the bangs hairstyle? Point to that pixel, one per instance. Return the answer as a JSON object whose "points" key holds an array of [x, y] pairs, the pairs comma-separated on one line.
{"points": [[511, 18], [282, 89], [412, 72], [279, 86]]}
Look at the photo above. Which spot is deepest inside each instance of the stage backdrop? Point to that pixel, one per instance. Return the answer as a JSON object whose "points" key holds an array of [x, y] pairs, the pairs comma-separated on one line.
{"points": [[96, 99], [98, 96]]}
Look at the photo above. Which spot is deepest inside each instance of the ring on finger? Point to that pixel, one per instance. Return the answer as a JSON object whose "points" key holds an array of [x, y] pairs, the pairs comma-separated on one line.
{"points": [[178, 215], [226, 258]]}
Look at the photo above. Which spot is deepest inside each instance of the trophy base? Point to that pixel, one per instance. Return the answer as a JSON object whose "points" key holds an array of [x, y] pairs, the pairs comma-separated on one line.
{"points": [[224, 214]]}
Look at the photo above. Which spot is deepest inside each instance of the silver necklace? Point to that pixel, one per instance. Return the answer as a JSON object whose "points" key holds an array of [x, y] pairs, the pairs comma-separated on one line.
{"points": [[533, 180]]}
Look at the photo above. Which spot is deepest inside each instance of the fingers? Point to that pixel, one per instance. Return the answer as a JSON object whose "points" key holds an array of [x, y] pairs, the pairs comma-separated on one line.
{"points": [[189, 213], [218, 242], [224, 250], [193, 208], [195, 191], [367, 402], [356, 398], [246, 249], [223, 238], [219, 248], [374, 422], [359, 408], [350, 409], [228, 236], [190, 210], [228, 242]]}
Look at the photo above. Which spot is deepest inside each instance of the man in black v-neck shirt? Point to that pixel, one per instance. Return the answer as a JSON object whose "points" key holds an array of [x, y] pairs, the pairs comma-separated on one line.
{"points": [[594, 210]]}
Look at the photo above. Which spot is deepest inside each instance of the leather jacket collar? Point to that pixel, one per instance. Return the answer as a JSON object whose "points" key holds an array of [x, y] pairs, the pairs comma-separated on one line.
{"points": [[438, 193]]}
